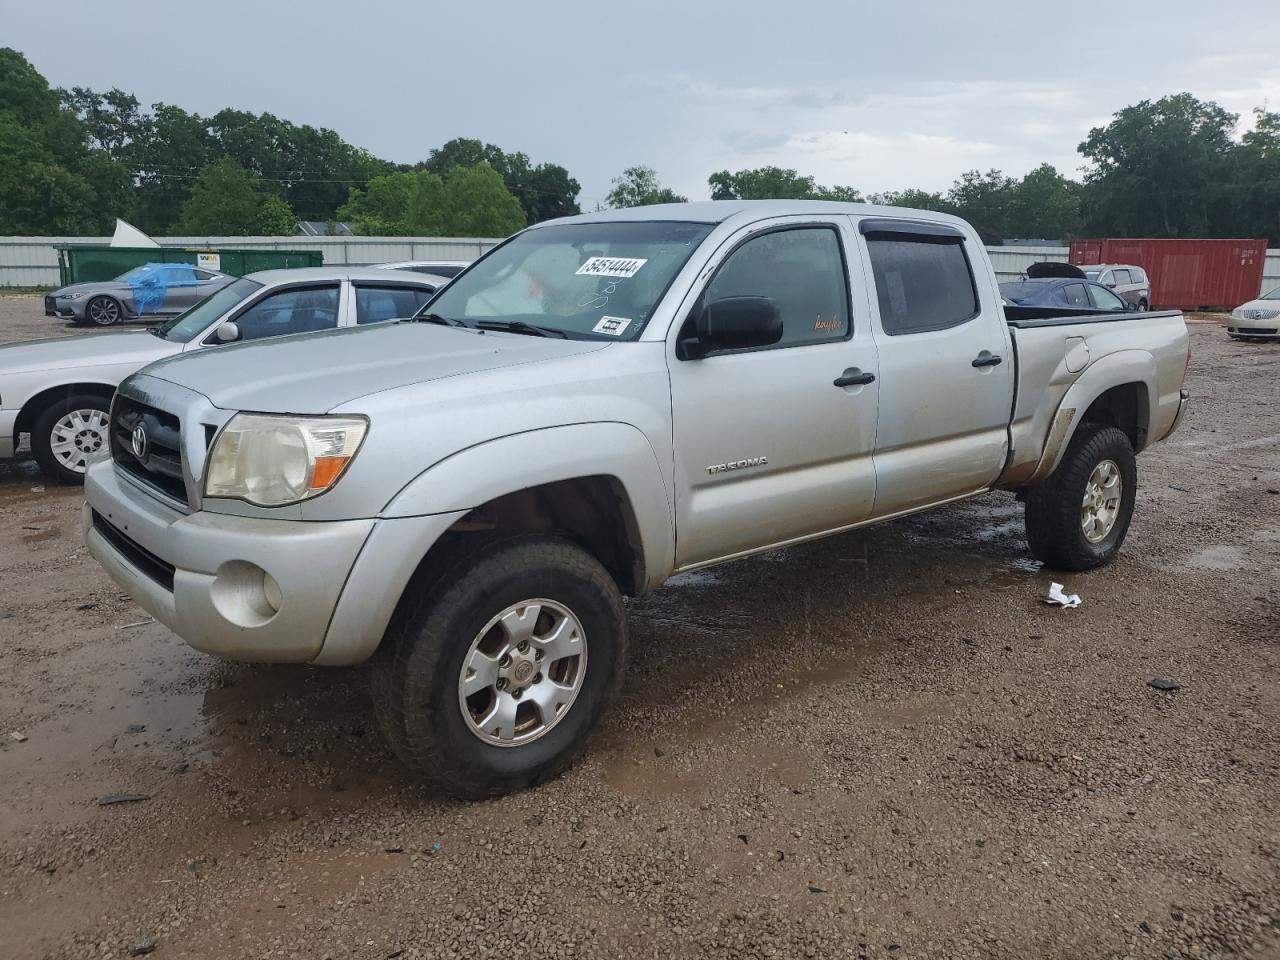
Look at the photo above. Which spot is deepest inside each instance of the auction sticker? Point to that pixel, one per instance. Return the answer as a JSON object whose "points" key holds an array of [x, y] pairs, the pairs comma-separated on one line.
{"points": [[613, 326], [611, 267]]}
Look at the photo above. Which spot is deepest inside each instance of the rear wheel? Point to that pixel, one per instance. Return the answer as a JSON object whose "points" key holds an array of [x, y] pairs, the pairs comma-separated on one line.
{"points": [[494, 679], [1143, 306], [1078, 518], [103, 311], [69, 435]]}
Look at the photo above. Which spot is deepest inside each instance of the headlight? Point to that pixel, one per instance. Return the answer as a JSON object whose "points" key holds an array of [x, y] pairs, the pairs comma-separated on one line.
{"points": [[70, 296], [272, 461]]}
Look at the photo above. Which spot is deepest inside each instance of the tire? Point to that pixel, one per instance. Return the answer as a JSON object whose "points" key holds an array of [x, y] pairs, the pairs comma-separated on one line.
{"points": [[1056, 511], [103, 311], [1143, 306], [82, 422], [418, 671]]}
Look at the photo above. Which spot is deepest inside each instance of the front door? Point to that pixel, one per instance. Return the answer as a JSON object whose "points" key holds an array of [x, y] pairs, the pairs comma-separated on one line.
{"points": [[946, 366], [768, 448]]}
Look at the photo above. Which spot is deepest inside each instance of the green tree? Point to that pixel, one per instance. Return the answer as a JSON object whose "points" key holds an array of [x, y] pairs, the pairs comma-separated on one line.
{"points": [[544, 191], [984, 199], [227, 200], [113, 120], [774, 183], [1161, 168], [639, 187], [478, 204], [1255, 193], [51, 180], [405, 204], [1045, 204]]}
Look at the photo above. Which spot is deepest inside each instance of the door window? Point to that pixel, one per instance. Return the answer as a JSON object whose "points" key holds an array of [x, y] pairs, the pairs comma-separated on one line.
{"points": [[923, 283], [378, 303], [1075, 295], [1104, 299], [297, 310], [802, 270], [1121, 277]]}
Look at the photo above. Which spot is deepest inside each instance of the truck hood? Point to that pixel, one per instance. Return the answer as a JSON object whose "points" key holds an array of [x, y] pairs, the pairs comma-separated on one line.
{"points": [[91, 350], [315, 372]]}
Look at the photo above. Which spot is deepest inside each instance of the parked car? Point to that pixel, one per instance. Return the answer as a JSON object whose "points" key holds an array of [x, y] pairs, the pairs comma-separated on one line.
{"points": [[1076, 294], [59, 390], [155, 290], [1256, 320], [439, 268], [599, 403], [1127, 281]]}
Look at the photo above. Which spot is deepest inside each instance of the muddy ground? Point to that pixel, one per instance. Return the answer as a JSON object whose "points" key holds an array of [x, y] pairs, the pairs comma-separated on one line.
{"points": [[880, 745]]}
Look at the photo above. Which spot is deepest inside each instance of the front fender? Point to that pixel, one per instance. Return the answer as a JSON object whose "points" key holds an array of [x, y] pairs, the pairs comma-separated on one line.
{"points": [[495, 468], [1113, 370]]}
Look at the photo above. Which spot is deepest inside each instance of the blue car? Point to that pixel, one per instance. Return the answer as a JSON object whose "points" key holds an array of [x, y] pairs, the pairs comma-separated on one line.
{"points": [[1060, 285]]}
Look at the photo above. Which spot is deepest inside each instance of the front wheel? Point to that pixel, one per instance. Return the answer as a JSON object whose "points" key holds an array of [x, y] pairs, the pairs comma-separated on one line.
{"points": [[1078, 518], [103, 311], [68, 435], [493, 680]]}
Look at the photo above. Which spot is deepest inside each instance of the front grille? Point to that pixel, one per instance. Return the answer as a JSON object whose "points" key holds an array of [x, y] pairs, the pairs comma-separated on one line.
{"points": [[160, 465], [140, 557], [1260, 314]]}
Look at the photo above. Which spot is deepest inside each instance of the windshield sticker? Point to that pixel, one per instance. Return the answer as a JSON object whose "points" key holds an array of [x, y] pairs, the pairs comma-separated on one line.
{"points": [[613, 326], [611, 267]]}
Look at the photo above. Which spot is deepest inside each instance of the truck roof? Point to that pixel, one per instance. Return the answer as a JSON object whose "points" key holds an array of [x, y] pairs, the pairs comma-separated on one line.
{"points": [[718, 211]]}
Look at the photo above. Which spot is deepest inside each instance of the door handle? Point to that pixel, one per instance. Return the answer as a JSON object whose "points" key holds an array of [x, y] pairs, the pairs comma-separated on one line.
{"points": [[987, 359], [853, 377]]}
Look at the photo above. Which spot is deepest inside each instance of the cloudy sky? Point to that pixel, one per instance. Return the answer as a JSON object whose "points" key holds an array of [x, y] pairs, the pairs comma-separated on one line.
{"points": [[876, 96]]}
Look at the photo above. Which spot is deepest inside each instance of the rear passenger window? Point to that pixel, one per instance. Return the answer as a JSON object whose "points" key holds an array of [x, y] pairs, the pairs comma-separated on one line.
{"points": [[1121, 276], [1075, 295], [802, 270], [923, 283], [374, 304]]}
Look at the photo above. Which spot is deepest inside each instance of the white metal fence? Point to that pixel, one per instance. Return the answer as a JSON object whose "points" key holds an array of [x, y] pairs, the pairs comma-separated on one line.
{"points": [[33, 261]]}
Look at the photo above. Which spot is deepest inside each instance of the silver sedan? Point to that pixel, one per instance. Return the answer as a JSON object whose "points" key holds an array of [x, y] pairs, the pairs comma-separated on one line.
{"points": [[154, 290]]}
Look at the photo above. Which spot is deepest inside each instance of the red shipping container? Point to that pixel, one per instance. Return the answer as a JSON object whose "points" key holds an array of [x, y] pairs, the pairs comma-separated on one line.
{"points": [[1185, 274]]}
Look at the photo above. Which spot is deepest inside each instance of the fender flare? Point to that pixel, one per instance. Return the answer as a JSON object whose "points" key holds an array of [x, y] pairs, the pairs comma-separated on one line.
{"points": [[27, 413], [619, 451], [1113, 370]]}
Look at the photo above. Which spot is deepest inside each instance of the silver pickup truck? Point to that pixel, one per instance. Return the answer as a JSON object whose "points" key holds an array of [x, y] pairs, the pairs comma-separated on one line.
{"points": [[598, 403]]}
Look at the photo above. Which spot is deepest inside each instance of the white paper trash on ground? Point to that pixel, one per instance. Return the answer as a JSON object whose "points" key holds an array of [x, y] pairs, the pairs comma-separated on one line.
{"points": [[1056, 596]]}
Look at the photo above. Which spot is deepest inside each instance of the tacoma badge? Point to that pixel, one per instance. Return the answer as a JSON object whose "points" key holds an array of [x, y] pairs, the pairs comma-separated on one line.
{"points": [[738, 464]]}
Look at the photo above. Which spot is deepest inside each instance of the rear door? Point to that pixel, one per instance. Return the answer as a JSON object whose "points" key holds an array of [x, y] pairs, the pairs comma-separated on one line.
{"points": [[768, 447], [946, 368]]}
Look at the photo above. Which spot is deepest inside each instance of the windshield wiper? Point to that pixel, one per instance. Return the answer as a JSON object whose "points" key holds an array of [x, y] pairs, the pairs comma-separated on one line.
{"points": [[519, 326], [441, 319]]}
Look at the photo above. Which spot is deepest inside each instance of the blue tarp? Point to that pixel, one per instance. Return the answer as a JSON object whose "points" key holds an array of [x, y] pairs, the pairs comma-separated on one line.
{"points": [[151, 282]]}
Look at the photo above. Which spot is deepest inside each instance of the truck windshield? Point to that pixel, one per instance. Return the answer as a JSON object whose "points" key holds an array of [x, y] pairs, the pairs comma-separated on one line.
{"points": [[585, 280], [187, 326]]}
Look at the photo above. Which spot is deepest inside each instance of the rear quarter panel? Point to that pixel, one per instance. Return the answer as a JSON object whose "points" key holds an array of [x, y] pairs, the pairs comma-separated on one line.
{"points": [[1052, 396]]}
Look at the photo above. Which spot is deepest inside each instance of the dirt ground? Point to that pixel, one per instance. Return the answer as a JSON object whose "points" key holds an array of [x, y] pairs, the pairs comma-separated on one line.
{"points": [[881, 745]]}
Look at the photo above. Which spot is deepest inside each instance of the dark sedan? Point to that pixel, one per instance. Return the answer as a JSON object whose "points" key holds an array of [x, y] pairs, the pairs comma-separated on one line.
{"points": [[1061, 292]]}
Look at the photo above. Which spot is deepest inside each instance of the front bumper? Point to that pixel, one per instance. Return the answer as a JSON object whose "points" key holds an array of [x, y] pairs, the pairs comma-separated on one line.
{"points": [[1270, 329], [201, 574], [64, 309]]}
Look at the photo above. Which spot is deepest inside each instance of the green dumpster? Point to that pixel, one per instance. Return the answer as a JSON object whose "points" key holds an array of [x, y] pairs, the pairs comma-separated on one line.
{"points": [[80, 263]]}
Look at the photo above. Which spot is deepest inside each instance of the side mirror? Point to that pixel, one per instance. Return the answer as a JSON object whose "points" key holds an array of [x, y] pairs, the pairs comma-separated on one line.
{"points": [[734, 323], [227, 333]]}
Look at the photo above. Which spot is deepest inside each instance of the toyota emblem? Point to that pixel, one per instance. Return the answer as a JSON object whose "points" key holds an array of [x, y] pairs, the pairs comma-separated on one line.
{"points": [[139, 442]]}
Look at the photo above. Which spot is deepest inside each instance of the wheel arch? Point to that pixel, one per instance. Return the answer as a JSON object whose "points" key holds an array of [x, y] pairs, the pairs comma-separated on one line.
{"points": [[1115, 391], [37, 403]]}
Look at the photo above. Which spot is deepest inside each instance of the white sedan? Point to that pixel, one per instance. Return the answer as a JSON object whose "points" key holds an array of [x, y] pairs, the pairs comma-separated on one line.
{"points": [[59, 391], [1256, 320]]}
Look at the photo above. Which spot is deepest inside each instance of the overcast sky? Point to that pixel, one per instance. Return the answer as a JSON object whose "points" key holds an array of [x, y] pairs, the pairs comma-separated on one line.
{"points": [[877, 96]]}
